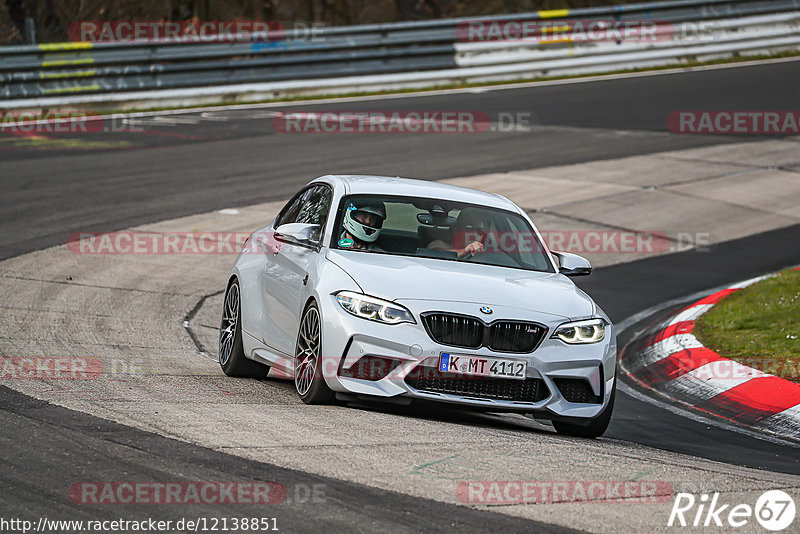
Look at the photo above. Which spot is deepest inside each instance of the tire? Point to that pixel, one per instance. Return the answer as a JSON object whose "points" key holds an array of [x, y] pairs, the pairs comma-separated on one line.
{"points": [[308, 376], [596, 426], [231, 351]]}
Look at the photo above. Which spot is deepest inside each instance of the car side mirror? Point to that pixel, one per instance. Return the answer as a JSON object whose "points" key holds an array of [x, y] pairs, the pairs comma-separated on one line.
{"points": [[298, 233], [572, 264]]}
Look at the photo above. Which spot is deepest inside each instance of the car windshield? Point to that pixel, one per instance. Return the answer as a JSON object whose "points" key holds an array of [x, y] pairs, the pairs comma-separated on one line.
{"points": [[440, 229]]}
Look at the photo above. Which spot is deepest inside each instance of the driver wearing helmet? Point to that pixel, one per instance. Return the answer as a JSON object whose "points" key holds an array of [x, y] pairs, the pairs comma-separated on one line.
{"points": [[363, 220]]}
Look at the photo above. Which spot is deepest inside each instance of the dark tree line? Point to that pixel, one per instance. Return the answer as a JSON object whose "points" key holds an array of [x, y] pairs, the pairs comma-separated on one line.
{"points": [[52, 17]]}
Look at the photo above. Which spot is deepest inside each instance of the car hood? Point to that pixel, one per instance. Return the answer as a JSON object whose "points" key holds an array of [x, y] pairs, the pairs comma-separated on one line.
{"points": [[400, 278]]}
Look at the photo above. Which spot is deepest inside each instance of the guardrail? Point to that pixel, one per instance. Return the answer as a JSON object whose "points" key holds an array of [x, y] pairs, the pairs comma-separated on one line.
{"points": [[420, 53]]}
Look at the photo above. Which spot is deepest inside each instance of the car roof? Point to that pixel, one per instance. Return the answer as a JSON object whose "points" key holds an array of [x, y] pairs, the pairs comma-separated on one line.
{"points": [[359, 184]]}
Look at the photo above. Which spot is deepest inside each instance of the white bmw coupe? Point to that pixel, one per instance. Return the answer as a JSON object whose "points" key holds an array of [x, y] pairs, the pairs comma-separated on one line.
{"points": [[369, 287]]}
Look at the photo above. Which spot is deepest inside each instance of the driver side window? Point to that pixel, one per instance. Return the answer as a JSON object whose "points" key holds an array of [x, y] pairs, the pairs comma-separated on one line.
{"points": [[310, 207], [315, 205], [289, 212]]}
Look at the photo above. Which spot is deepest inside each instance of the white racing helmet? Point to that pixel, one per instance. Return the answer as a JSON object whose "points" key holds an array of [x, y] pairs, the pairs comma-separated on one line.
{"points": [[360, 231]]}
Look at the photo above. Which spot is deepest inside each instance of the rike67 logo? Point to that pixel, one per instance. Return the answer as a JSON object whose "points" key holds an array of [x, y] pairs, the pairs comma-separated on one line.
{"points": [[774, 510]]}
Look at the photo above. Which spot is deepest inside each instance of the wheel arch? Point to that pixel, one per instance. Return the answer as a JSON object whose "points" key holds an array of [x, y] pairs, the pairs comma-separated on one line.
{"points": [[311, 299]]}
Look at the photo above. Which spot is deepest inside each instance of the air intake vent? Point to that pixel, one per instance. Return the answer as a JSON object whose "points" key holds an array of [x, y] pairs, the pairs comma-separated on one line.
{"points": [[472, 333], [507, 336], [432, 380], [577, 390], [455, 330]]}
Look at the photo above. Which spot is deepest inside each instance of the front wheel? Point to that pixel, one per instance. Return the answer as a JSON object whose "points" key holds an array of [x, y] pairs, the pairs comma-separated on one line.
{"points": [[231, 351], [308, 372], [595, 428]]}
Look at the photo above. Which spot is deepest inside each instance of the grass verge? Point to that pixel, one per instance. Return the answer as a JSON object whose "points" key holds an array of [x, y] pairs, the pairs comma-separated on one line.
{"points": [[758, 326]]}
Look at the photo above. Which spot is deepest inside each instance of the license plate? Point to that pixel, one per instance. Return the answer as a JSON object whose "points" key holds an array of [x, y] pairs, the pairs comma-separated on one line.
{"points": [[482, 366]]}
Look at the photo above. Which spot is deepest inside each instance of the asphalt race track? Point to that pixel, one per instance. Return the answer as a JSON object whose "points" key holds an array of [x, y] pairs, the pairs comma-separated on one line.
{"points": [[199, 162], [182, 166], [90, 448], [689, 273]]}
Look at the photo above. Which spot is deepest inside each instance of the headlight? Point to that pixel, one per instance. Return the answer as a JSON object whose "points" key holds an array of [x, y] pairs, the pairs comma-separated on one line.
{"points": [[373, 308], [579, 332]]}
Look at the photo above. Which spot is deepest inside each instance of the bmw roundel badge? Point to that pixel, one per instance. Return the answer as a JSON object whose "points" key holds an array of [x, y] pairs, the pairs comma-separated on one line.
{"points": [[486, 309]]}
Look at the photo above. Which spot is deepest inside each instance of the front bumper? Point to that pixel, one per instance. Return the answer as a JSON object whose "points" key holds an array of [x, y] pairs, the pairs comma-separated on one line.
{"points": [[347, 339]]}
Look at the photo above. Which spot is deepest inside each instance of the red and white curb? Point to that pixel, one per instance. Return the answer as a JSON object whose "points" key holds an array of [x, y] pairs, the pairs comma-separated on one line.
{"points": [[671, 360]]}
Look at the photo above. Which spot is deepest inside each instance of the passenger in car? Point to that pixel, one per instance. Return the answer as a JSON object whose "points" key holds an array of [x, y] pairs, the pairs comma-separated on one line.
{"points": [[468, 225]]}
